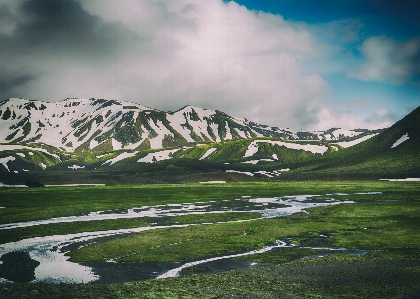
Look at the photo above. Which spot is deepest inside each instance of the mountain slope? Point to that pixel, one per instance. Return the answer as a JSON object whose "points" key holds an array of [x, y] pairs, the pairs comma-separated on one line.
{"points": [[394, 153], [77, 125]]}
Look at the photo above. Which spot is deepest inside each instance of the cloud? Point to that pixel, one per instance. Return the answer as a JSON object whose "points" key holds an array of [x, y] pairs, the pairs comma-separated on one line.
{"points": [[163, 54], [388, 60], [363, 113], [354, 119], [383, 116], [359, 103]]}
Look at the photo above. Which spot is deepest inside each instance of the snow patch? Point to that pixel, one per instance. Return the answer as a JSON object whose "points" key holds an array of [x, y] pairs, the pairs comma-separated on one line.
{"points": [[252, 149], [12, 147], [5, 160], [346, 144], [243, 172], [12, 186], [262, 172], [241, 133], [256, 161], [119, 158], [337, 133], [208, 153], [228, 133], [401, 140], [316, 149], [116, 145], [158, 156], [74, 167], [402, 180]]}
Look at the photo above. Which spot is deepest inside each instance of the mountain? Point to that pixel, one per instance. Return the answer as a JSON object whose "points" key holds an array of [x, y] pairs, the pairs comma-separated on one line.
{"points": [[77, 125], [394, 153], [108, 141]]}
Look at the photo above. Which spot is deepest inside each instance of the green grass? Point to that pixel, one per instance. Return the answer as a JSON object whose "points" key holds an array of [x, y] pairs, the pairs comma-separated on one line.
{"points": [[387, 224], [377, 225], [33, 204], [42, 230]]}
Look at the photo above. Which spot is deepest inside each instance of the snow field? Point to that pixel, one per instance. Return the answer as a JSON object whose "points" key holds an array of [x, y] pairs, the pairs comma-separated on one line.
{"points": [[119, 158], [159, 156], [346, 144], [335, 135], [12, 147], [316, 149]]}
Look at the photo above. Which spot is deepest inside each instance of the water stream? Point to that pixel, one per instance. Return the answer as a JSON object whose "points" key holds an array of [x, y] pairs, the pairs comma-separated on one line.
{"points": [[43, 258]]}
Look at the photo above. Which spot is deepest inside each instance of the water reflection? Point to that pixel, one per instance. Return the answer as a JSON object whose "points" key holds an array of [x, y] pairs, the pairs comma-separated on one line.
{"points": [[45, 256]]}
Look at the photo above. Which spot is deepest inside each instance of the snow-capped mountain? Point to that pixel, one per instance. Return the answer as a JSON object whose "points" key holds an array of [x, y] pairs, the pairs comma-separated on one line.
{"points": [[77, 125]]}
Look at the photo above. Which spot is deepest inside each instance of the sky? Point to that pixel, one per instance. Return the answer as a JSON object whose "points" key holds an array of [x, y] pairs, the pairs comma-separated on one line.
{"points": [[299, 64]]}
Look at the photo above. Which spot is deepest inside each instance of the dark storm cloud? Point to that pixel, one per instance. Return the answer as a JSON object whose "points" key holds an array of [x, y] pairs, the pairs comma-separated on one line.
{"points": [[51, 33], [61, 23]]}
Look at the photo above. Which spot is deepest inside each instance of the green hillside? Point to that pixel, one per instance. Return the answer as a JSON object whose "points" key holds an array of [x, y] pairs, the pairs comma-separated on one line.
{"points": [[375, 156], [393, 153]]}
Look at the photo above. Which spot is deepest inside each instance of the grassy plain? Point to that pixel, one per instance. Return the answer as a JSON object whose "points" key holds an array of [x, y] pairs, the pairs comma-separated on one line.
{"points": [[387, 224]]}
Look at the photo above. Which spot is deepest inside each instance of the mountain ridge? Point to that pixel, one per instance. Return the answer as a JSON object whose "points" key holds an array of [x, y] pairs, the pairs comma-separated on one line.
{"points": [[118, 142], [77, 125]]}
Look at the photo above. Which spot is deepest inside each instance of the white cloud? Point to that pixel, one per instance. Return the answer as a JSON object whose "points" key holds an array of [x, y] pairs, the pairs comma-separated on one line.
{"points": [[354, 119], [167, 54], [387, 59]]}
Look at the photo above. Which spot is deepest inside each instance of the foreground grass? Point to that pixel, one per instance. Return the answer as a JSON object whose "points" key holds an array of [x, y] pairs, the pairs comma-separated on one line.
{"points": [[371, 276], [365, 225], [387, 224]]}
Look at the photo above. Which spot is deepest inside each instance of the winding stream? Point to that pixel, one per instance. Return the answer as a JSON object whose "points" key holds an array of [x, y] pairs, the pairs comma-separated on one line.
{"points": [[44, 257]]}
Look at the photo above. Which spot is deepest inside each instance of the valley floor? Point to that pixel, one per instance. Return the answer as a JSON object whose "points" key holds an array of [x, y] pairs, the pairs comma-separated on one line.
{"points": [[378, 225]]}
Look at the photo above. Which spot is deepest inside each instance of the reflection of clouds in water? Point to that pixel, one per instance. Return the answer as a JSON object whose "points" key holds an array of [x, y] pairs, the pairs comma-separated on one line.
{"points": [[175, 272], [294, 204], [55, 268]]}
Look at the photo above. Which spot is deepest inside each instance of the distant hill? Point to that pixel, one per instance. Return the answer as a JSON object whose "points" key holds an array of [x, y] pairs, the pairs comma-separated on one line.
{"points": [[394, 153], [119, 142]]}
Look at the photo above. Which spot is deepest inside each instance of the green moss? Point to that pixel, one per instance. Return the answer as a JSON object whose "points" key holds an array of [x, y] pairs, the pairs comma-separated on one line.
{"points": [[145, 145]]}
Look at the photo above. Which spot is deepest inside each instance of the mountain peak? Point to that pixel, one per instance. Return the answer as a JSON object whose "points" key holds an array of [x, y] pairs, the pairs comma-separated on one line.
{"points": [[99, 124]]}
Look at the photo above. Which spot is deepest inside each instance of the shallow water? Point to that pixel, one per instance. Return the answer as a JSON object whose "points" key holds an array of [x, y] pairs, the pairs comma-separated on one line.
{"points": [[176, 271], [268, 207], [48, 253]]}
